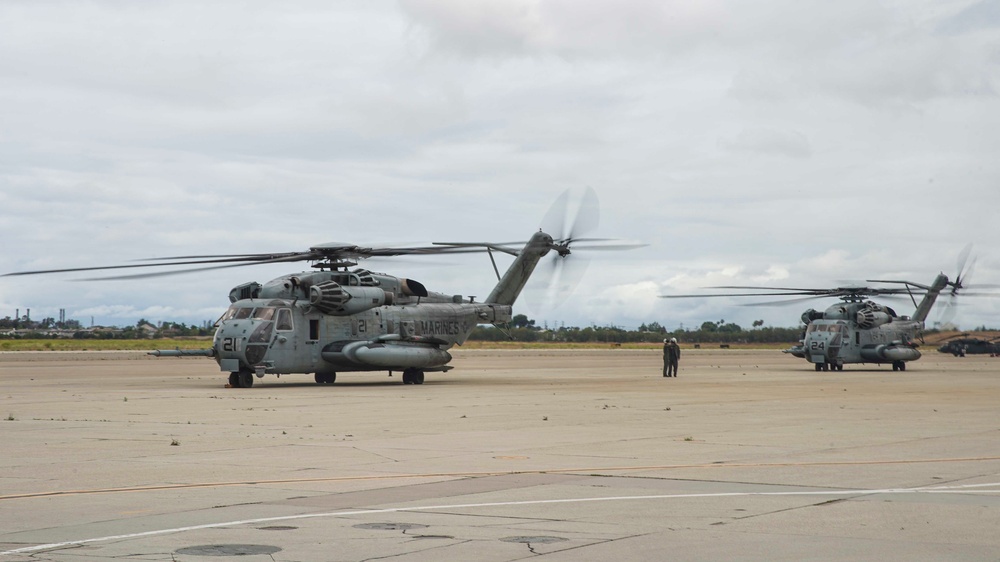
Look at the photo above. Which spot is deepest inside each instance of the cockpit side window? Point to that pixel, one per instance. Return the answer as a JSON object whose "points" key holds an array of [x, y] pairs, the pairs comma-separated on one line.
{"points": [[284, 319], [243, 313]]}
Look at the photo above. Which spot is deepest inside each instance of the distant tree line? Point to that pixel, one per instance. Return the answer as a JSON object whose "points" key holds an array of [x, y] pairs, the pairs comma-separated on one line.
{"points": [[24, 328], [523, 329]]}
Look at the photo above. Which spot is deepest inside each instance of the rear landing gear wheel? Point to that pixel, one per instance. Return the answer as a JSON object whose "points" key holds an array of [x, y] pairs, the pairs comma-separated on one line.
{"points": [[413, 376], [325, 378], [898, 366]]}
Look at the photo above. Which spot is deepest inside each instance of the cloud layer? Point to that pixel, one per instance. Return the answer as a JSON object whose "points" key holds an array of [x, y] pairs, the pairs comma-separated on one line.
{"points": [[792, 142]]}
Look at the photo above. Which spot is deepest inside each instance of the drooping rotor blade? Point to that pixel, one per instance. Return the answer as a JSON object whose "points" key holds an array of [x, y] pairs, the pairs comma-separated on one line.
{"points": [[899, 282], [240, 260], [714, 295], [188, 270], [747, 287], [331, 253], [786, 301]]}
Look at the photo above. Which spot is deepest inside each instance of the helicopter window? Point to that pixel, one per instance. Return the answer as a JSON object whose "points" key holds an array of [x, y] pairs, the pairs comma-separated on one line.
{"points": [[284, 319], [229, 313], [243, 313], [264, 313]]}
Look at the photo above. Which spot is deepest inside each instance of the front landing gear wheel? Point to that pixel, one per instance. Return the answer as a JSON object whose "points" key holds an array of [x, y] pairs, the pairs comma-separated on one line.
{"points": [[242, 379], [819, 367]]}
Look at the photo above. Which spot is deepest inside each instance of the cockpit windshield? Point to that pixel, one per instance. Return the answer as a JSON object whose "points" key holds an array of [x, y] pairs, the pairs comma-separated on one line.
{"points": [[264, 313], [815, 327], [240, 312]]}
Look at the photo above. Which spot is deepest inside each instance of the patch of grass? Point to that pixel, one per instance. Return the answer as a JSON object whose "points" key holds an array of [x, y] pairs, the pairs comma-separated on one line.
{"points": [[104, 345]]}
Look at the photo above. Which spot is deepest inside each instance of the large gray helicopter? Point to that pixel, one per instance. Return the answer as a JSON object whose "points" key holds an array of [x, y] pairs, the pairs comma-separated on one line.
{"points": [[337, 319], [857, 330]]}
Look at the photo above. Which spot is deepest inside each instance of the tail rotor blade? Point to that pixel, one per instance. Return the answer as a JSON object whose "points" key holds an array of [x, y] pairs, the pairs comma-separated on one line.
{"points": [[587, 217], [554, 221]]}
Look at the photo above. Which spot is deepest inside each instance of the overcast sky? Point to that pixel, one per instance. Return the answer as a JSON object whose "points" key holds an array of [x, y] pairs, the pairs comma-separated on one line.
{"points": [[789, 142]]}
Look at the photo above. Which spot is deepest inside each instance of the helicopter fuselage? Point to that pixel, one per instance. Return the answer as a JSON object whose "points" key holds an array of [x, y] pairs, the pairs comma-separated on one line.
{"points": [[277, 336], [334, 320], [864, 332], [832, 343]]}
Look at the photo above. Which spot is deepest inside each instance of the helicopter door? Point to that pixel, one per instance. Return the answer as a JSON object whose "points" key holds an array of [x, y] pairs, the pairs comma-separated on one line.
{"points": [[836, 341], [285, 343]]}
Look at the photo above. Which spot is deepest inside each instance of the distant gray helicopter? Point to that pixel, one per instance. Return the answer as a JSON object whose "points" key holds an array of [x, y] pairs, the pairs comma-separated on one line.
{"points": [[335, 319], [858, 330]]}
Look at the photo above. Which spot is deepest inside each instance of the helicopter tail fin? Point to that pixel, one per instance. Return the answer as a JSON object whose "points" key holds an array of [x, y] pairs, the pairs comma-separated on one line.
{"points": [[510, 285], [924, 308]]}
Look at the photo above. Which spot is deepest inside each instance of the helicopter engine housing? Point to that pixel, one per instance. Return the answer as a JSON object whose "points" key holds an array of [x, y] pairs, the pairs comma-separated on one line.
{"points": [[868, 318], [334, 298], [810, 315], [249, 290]]}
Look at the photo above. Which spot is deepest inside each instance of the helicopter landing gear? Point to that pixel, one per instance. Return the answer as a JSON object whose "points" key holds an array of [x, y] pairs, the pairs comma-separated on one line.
{"points": [[413, 376], [242, 379], [824, 366], [325, 378], [898, 365]]}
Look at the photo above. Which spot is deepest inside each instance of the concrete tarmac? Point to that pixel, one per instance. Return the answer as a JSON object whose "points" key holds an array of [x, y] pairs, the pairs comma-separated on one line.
{"points": [[574, 455]]}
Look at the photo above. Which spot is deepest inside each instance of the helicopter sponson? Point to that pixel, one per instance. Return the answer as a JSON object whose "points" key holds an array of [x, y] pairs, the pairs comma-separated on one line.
{"points": [[885, 353]]}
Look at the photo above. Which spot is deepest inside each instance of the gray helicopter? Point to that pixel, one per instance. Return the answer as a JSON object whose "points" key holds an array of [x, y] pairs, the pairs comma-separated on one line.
{"points": [[338, 319], [858, 330]]}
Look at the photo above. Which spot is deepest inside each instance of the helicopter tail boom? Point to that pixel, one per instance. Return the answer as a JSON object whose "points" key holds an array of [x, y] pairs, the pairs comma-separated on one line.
{"points": [[514, 280], [924, 308]]}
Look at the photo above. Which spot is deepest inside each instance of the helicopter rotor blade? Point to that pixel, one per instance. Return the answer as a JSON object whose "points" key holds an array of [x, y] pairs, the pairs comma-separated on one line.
{"points": [[567, 269], [587, 218], [786, 301], [152, 274], [247, 259]]}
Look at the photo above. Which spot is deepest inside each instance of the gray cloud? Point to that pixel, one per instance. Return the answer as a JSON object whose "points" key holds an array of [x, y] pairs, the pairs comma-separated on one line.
{"points": [[801, 142]]}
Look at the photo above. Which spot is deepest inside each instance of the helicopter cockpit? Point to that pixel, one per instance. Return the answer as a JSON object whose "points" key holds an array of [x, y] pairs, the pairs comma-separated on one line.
{"points": [[277, 310]]}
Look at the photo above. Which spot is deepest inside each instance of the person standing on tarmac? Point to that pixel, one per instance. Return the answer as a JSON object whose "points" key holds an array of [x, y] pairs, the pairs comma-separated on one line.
{"points": [[671, 357]]}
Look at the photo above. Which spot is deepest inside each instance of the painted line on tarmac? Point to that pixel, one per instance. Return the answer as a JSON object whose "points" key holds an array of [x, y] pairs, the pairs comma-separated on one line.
{"points": [[957, 489], [587, 470]]}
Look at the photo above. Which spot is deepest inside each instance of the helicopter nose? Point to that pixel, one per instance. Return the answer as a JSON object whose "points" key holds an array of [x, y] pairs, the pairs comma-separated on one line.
{"points": [[245, 340]]}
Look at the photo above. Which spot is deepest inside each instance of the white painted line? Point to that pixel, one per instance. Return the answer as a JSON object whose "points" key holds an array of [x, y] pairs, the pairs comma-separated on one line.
{"points": [[965, 488]]}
